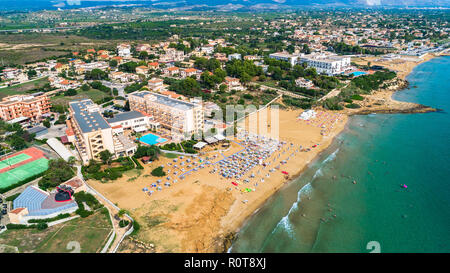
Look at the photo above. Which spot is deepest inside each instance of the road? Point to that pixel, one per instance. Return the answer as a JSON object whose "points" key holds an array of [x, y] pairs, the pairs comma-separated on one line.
{"points": [[119, 86], [333, 93]]}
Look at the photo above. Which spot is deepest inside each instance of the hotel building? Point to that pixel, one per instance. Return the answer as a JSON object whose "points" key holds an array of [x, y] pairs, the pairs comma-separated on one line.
{"points": [[24, 106], [184, 118], [284, 56], [329, 65], [92, 134]]}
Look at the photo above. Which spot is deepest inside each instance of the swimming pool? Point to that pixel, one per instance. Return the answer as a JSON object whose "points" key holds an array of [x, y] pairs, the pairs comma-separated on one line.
{"points": [[357, 73], [151, 139]]}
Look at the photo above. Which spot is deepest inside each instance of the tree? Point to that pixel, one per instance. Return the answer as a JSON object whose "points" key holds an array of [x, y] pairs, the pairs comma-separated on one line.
{"points": [[143, 55], [113, 63], [17, 143], [222, 87], [71, 92], [31, 73], [96, 74], [158, 172], [58, 171], [106, 156], [85, 87], [46, 123]]}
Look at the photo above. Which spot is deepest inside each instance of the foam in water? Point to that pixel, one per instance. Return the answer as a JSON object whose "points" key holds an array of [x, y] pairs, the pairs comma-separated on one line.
{"points": [[331, 156], [284, 222]]}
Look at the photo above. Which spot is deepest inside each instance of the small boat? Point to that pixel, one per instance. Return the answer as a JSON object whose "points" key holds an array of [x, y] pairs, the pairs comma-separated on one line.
{"points": [[404, 186]]}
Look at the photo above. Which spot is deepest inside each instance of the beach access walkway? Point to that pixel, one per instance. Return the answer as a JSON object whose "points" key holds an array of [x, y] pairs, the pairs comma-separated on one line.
{"points": [[280, 91]]}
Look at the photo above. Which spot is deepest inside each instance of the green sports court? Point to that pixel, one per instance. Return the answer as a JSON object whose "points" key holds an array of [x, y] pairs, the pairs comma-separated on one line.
{"points": [[13, 160], [20, 173]]}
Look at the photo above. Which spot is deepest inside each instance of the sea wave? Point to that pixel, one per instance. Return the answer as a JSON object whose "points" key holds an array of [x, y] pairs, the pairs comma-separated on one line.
{"points": [[331, 156], [285, 223]]}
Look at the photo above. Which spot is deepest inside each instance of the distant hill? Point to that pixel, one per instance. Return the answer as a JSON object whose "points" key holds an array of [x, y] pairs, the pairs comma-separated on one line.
{"points": [[226, 5]]}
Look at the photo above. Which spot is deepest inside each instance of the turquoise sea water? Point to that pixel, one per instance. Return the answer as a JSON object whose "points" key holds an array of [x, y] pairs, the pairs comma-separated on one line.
{"points": [[324, 211]]}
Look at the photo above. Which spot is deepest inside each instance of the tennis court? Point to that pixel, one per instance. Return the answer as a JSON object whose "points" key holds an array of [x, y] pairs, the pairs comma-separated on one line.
{"points": [[22, 172], [13, 160]]}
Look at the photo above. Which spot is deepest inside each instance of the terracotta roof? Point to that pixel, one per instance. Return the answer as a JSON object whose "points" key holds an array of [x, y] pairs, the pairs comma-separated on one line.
{"points": [[16, 211], [189, 70]]}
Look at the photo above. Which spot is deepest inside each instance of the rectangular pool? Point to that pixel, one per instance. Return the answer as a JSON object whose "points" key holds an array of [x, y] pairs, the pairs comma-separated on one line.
{"points": [[151, 139]]}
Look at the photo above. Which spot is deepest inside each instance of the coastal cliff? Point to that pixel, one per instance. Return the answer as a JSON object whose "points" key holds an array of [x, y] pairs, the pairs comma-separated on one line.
{"points": [[381, 101]]}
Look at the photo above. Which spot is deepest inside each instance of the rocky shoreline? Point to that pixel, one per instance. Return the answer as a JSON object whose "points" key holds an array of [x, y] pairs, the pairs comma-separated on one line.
{"points": [[381, 102]]}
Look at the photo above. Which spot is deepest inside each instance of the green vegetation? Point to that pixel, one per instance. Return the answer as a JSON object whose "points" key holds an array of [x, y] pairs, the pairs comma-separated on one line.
{"points": [[28, 87], [364, 84], [93, 170], [152, 151], [47, 220], [84, 197], [158, 171], [12, 197], [90, 232], [58, 172]]}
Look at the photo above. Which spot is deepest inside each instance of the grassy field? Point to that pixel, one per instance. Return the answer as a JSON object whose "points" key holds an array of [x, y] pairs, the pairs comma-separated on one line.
{"points": [[23, 88], [31, 47], [92, 94], [91, 233]]}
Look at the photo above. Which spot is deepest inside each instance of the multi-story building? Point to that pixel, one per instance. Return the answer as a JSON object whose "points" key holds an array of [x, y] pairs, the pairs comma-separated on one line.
{"points": [[330, 65], [184, 118], [156, 84], [93, 134], [233, 84], [32, 106], [284, 56]]}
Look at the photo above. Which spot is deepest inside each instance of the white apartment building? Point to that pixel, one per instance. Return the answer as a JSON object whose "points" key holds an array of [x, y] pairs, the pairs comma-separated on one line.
{"points": [[284, 56], [329, 65], [184, 118]]}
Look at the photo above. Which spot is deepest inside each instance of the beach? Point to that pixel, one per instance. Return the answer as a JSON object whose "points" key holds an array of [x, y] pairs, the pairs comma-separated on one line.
{"points": [[203, 211], [324, 211], [195, 214]]}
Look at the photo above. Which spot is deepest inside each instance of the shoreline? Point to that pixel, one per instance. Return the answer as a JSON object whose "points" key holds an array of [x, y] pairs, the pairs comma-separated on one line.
{"points": [[418, 108], [203, 212]]}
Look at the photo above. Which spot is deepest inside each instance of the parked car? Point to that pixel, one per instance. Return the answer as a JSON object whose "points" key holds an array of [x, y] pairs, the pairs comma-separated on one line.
{"points": [[4, 212]]}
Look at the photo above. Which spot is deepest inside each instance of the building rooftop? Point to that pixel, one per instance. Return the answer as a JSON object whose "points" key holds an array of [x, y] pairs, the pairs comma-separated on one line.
{"points": [[40, 203], [165, 100], [125, 116], [88, 116]]}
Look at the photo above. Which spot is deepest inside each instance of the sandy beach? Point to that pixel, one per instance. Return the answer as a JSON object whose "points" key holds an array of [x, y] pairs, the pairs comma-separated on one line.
{"points": [[197, 213], [201, 212]]}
